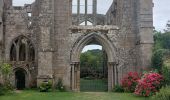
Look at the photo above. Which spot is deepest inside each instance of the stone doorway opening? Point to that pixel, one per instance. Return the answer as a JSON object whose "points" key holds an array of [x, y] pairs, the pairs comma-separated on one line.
{"points": [[93, 38], [93, 68], [20, 79]]}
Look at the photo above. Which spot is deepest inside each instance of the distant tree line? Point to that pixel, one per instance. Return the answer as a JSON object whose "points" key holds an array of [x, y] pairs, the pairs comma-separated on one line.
{"points": [[92, 64]]}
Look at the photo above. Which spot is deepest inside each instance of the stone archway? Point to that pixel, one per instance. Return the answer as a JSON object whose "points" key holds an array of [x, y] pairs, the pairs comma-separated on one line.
{"points": [[21, 78], [22, 56], [75, 59]]}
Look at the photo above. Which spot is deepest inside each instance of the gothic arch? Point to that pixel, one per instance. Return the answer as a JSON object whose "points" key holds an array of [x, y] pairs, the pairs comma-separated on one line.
{"points": [[26, 73], [22, 49], [75, 58], [85, 40]]}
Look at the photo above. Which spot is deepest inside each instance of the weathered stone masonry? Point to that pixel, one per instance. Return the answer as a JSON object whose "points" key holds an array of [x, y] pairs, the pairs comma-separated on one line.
{"points": [[57, 39]]}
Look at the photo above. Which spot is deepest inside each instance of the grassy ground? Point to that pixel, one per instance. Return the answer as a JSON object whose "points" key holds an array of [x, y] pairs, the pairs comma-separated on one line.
{"points": [[93, 85], [35, 95]]}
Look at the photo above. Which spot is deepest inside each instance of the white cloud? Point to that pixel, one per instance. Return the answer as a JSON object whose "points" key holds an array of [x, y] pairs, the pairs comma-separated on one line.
{"points": [[91, 47], [22, 2], [161, 13]]}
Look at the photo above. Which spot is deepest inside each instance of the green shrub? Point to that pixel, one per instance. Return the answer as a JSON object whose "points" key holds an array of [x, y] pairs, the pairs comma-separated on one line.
{"points": [[166, 75], [6, 70], [60, 86], [5, 88], [45, 86], [163, 94], [2, 92], [118, 88], [158, 59]]}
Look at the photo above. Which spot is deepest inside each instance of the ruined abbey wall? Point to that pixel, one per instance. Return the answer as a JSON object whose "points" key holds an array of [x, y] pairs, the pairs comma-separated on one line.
{"points": [[125, 32]]}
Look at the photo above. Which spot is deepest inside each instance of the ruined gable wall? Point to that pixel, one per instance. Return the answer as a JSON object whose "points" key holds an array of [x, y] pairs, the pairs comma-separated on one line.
{"points": [[123, 15], [16, 24]]}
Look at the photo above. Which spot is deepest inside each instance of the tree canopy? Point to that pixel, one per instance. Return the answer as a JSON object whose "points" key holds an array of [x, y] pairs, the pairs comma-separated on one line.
{"points": [[161, 49]]}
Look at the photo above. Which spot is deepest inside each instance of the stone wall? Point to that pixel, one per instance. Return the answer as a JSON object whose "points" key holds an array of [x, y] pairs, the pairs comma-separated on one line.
{"points": [[134, 18], [49, 30], [145, 32], [61, 56], [122, 14], [1, 28], [17, 23]]}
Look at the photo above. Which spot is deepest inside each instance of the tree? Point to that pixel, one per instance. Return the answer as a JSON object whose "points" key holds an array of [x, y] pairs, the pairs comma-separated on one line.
{"points": [[167, 26], [161, 49], [91, 63]]}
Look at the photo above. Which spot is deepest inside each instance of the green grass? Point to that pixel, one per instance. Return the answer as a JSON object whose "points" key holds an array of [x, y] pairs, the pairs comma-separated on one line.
{"points": [[35, 95], [93, 85]]}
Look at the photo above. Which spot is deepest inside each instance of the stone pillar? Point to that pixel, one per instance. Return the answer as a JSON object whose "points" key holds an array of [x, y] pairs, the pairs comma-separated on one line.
{"points": [[94, 11], [72, 77], [45, 51], [27, 51], [61, 43], [145, 36], [78, 12], [17, 54], [115, 74], [45, 57], [86, 7], [75, 80], [111, 76], [78, 76], [7, 3]]}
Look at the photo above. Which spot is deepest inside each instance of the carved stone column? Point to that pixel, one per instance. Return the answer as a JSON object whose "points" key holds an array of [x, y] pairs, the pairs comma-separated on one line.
{"points": [[115, 74], [75, 80], [72, 76], [111, 76], [94, 11], [78, 12], [86, 7]]}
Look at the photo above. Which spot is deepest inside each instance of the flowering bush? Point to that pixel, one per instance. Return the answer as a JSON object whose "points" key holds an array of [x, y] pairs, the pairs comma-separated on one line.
{"points": [[149, 84], [129, 82]]}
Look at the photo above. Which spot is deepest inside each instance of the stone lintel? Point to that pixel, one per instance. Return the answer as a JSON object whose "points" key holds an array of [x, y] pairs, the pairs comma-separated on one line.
{"points": [[75, 28]]}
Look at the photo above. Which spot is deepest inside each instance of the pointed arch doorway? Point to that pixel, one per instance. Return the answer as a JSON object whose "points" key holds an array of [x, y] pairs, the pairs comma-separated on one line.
{"points": [[20, 79], [75, 59], [93, 68]]}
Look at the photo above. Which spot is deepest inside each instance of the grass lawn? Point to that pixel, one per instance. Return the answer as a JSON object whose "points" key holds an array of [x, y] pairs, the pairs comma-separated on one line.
{"points": [[93, 85], [35, 95]]}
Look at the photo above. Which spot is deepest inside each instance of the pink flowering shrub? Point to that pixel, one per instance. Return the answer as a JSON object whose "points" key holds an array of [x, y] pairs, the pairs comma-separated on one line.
{"points": [[129, 82], [149, 84]]}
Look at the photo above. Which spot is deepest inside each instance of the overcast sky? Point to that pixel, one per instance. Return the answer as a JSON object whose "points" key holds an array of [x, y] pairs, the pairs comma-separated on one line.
{"points": [[161, 10]]}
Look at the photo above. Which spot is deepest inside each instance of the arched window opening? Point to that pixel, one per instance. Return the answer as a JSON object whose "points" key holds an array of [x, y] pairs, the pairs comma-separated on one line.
{"points": [[22, 50], [13, 56]]}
